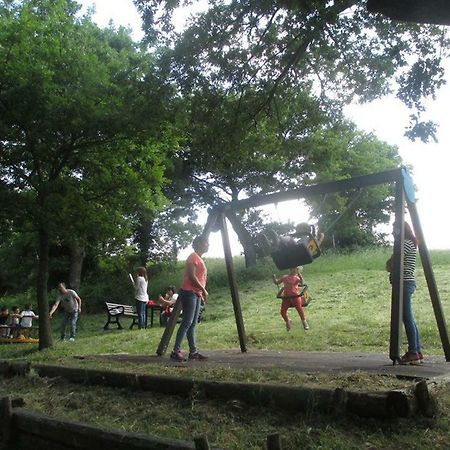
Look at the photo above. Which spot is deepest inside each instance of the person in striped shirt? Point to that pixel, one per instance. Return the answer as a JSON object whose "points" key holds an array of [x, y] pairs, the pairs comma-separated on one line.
{"points": [[414, 353]]}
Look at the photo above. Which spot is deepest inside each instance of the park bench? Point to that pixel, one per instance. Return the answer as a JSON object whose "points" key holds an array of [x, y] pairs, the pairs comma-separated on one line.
{"points": [[116, 310]]}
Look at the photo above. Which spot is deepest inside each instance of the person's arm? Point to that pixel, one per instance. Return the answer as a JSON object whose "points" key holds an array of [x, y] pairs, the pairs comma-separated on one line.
{"points": [[276, 280], [54, 307], [389, 265], [193, 277], [164, 301], [78, 299]]}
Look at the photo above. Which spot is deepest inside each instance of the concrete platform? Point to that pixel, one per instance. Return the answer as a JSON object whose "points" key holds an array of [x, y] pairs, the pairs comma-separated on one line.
{"points": [[305, 362]]}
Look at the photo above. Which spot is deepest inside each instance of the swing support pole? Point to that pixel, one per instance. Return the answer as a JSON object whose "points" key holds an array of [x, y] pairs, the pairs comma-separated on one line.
{"points": [[232, 282], [397, 275], [429, 276]]}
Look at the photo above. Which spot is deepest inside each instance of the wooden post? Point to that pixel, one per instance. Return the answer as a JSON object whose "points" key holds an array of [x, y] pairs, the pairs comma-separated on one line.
{"points": [[233, 284], [6, 419], [168, 331], [201, 443], [431, 282], [397, 275], [274, 442]]}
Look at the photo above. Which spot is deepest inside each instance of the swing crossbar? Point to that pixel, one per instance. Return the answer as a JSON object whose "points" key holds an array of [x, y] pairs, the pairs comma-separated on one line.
{"points": [[388, 176]]}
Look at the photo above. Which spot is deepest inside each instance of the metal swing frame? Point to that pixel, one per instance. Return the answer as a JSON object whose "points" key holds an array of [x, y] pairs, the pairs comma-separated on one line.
{"points": [[404, 192]]}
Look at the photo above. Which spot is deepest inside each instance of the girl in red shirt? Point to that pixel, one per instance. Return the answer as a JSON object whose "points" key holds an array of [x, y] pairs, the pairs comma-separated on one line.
{"points": [[192, 293], [290, 297]]}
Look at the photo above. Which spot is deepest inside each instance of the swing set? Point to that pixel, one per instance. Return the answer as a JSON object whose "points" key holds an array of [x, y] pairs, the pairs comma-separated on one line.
{"points": [[289, 252]]}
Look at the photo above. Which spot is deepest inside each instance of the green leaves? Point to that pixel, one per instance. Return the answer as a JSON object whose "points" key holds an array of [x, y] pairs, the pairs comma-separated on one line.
{"points": [[83, 123], [337, 50]]}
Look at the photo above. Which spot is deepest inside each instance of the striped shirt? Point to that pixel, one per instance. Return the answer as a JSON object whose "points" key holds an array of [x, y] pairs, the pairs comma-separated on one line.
{"points": [[409, 261]]}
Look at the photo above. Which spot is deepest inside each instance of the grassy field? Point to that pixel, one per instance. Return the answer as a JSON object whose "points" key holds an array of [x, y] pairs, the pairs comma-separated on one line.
{"points": [[350, 311]]}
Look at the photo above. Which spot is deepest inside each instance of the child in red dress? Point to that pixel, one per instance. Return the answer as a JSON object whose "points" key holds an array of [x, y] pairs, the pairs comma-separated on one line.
{"points": [[290, 297]]}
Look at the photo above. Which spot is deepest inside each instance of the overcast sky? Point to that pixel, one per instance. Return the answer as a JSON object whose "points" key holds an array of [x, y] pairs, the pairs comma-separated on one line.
{"points": [[386, 117]]}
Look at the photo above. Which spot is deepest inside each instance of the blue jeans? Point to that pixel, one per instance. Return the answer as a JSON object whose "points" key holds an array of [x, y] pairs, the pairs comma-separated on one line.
{"points": [[412, 333], [141, 308], [190, 303], [69, 318]]}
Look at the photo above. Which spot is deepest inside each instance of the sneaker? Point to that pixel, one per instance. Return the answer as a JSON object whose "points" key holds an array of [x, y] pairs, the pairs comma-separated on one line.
{"points": [[288, 325], [410, 358], [305, 324], [178, 356], [198, 356], [71, 339]]}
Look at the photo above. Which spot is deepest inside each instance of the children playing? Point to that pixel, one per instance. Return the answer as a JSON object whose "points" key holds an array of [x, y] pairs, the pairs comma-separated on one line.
{"points": [[26, 321], [290, 297], [167, 302], [13, 322]]}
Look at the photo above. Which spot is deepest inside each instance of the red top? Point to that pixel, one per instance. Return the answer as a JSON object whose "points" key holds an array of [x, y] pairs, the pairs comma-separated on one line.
{"points": [[200, 272], [290, 283]]}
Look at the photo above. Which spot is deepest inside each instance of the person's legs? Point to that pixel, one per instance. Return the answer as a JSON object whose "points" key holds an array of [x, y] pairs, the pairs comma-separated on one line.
{"points": [[26, 332], [188, 304], [65, 321], [141, 309], [297, 304], [283, 310], [285, 303], [412, 333], [190, 333], [73, 324]]}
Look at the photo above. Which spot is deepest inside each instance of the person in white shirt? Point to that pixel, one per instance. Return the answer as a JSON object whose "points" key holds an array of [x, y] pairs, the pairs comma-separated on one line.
{"points": [[26, 320], [141, 296]]}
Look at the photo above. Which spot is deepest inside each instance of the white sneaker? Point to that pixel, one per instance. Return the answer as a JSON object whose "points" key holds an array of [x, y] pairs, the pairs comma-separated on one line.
{"points": [[305, 324], [288, 325], [71, 339]]}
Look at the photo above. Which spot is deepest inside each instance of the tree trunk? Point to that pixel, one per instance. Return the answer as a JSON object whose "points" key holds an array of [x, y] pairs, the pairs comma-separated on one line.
{"points": [[77, 255], [245, 238], [144, 239], [45, 332]]}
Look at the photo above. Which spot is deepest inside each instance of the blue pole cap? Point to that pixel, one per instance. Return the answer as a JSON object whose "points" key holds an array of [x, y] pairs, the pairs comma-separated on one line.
{"points": [[408, 185]]}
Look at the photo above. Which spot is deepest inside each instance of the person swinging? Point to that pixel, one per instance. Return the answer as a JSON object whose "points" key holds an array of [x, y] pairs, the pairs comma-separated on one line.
{"points": [[290, 296]]}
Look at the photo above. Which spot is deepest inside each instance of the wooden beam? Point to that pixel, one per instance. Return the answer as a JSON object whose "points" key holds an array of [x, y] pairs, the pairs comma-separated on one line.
{"points": [[397, 275], [388, 176], [431, 282], [233, 285], [418, 11], [168, 331], [6, 422]]}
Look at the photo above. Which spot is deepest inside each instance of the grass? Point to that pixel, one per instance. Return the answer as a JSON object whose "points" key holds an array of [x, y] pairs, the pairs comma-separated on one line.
{"points": [[350, 311], [230, 425]]}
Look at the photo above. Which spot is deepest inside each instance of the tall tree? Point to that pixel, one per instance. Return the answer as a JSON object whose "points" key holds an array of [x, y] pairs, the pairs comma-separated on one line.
{"points": [[253, 69], [338, 47], [80, 120], [351, 218]]}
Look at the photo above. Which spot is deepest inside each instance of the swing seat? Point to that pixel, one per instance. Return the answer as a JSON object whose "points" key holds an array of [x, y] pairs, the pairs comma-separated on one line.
{"points": [[291, 254]]}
